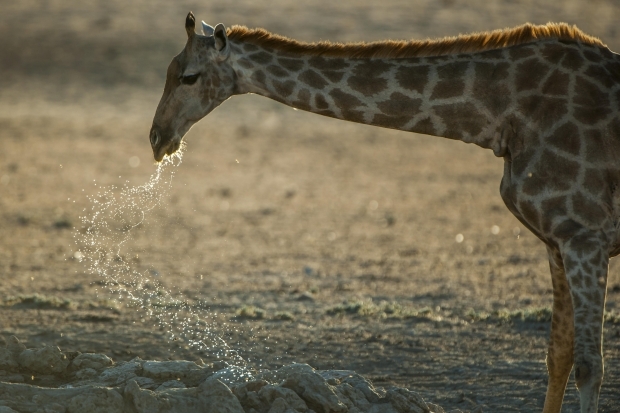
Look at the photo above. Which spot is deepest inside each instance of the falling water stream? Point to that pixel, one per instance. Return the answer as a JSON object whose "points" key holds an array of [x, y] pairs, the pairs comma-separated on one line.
{"points": [[108, 227]]}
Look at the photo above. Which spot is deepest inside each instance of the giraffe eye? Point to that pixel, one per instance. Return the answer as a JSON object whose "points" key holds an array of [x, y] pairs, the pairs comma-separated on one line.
{"points": [[189, 79]]}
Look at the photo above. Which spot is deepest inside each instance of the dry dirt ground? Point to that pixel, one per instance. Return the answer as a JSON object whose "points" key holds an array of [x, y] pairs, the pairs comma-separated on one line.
{"points": [[301, 238]]}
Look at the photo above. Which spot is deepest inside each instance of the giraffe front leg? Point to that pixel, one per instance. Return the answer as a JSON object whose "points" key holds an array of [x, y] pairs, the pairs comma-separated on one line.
{"points": [[586, 261], [561, 340]]}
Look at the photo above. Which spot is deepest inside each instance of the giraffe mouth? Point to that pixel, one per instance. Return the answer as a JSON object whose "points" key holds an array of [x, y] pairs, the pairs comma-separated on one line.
{"points": [[166, 149]]}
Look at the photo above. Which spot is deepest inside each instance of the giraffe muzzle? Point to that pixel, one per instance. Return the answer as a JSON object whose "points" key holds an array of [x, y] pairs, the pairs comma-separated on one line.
{"points": [[157, 144]]}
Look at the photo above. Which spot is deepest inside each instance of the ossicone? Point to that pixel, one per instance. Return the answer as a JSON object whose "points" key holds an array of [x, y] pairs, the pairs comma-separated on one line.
{"points": [[190, 24]]}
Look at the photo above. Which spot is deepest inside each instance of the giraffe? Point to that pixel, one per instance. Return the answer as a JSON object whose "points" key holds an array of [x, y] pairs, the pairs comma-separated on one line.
{"points": [[544, 98]]}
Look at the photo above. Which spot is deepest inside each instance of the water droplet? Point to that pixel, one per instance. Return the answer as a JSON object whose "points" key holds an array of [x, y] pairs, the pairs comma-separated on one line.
{"points": [[373, 205], [134, 161], [494, 230], [459, 238]]}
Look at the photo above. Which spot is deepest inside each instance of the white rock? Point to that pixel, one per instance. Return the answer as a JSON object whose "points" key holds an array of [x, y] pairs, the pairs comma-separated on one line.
{"points": [[171, 384], [270, 393], [46, 360], [121, 373], [7, 359], [210, 396], [91, 361], [312, 388], [170, 370], [405, 401], [97, 400], [15, 345]]}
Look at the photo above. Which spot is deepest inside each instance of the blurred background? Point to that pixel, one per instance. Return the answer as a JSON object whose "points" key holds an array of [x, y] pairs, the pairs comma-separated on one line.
{"points": [[272, 208]]}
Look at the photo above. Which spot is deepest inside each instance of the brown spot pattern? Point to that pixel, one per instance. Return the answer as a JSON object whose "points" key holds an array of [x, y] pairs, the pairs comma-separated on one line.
{"points": [[313, 79], [333, 77], [592, 103], [303, 100], [448, 88], [587, 210], [593, 181], [592, 55], [553, 172], [277, 71], [367, 86], [544, 111], [529, 213], [520, 52], [320, 102], [323, 63], [566, 230], [399, 104], [345, 101], [529, 74], [261, 57], [553, 52], [347, 104], [556, 84], [259, 77], [294, 65], [566, 138], [596, 149], [284, 89], [425, 126], [464, 117], [496, 101], [245, 63], [572, 60], [412, 78], [397, 110]]}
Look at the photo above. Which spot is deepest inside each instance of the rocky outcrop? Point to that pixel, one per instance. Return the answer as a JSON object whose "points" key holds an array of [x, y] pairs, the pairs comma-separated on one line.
{"points": [[94, 383]]}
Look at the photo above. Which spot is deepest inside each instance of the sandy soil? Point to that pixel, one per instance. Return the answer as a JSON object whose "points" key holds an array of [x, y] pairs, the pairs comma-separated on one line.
{"points": [[301, 238]]}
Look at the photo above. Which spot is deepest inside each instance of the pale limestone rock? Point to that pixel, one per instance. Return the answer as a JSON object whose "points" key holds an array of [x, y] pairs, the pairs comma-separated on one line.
{"points": [[405, 401], [85, 374], [170, 384], [312, 388], [46, 360], [172, 370], [7, 359], [279, 405], [210, 396], [270, 393], [15, 345], [97, 400], [52, 408], [121, 373], [90, 361], [218, 394]]}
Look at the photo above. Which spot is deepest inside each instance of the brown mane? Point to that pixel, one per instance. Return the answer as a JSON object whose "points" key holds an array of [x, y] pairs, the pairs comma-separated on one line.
{"points": [[391, 48]]}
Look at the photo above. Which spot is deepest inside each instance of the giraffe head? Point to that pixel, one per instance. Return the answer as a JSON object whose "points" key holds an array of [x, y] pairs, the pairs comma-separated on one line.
{"points": [[198, 80]]}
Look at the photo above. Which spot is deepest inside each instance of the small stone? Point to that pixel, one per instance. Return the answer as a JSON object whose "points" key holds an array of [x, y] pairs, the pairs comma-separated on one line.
{"points": [[405, 401], [46, 360], [170, 370], [97, 400], [121, 373], [171, 384], [15, 345], [7, 359], [91, 361]]}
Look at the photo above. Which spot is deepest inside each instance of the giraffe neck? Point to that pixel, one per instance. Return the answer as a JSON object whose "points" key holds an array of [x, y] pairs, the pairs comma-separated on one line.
{"points": [[462, 97]]}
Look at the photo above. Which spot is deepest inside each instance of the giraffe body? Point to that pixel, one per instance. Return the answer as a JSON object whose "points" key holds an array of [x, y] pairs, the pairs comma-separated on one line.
{"points": [[549, 105]]}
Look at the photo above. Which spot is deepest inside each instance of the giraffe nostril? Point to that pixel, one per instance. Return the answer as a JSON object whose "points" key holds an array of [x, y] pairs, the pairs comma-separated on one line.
{"points": [[154, 137]]}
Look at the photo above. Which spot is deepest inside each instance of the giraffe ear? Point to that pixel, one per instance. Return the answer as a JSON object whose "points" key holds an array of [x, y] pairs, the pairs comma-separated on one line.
{"points": [[190, 24], [221, 41], [207, 30]]}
